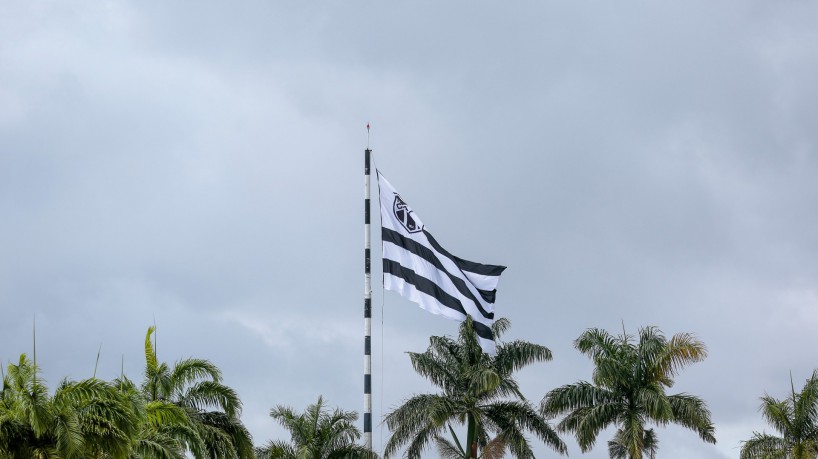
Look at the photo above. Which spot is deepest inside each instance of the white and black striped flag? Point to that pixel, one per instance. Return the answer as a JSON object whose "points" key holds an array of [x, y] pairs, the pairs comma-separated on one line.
{"points": [[419, 269]]}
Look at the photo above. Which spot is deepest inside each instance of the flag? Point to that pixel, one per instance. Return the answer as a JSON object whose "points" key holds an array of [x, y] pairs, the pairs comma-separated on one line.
{"points": [[419, 269]]}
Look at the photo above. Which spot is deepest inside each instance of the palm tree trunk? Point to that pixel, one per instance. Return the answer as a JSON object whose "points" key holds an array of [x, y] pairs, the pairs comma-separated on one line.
{"points": [[471, 437]]}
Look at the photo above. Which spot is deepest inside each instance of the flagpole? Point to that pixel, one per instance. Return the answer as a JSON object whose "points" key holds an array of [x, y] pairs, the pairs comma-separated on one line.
{"points": [[367, 305]]}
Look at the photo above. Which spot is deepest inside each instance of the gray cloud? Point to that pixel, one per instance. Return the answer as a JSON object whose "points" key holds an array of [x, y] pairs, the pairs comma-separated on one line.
{"points": [[637, 164]]}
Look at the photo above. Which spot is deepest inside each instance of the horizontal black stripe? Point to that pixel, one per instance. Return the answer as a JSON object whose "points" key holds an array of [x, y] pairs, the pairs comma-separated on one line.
{"points": [[367, 257], [483, 331], [465, 265], [430, 288], [366, 211], [367, 345], [367, 308], [367, 384], [367, 422], [388, 235], [488, 295], [367, 152]]}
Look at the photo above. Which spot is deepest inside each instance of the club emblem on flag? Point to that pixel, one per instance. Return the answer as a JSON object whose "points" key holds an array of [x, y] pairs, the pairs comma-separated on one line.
{"points": [[404, 215]]}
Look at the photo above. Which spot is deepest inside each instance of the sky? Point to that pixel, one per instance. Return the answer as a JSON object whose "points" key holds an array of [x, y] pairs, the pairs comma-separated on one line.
{"points": [[200, 167]]}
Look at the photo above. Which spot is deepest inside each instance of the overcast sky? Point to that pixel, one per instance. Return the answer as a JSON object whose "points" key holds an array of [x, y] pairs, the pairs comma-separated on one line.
{"points": [[199, 165]]}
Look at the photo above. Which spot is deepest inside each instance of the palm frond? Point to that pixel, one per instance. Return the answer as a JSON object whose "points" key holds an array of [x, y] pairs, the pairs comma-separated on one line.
{"points": [[447, 450], [682, 350], [277, 450], [155, 445], [518, 354], [655, 403], [778, 413], [434, 368], [763, 446], [205, 395], [514, 417], [574, 396], [188, 371], [151, 363], [597, 343], [691, 412], [418, 443], [421, 413], [228, 434], [500, 326]]}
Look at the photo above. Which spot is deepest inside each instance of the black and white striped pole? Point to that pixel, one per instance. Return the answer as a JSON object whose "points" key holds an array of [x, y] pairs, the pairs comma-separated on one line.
{"points": [[367, 306]]}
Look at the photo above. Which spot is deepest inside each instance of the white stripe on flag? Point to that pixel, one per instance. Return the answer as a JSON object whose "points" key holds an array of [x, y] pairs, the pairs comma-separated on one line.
{"points": [[442, 279]]}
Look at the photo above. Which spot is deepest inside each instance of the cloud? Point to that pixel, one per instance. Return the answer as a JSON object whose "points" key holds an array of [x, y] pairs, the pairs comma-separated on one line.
{"points": [[284, 333], [636, 164]]}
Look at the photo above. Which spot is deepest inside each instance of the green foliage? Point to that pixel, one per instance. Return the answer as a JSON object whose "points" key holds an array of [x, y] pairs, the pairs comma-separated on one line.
{"points": [[628, 391], [316, 434], [88, 418], [475, 391], [795, 418], [189, 409], [175, 410]]}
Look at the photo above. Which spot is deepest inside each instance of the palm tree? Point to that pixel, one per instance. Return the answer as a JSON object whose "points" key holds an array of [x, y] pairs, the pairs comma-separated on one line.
{"points": [[316, 434], [477, 390], [193, 387], [796, 418], [88, 418], [628, 391], [164, 429]]}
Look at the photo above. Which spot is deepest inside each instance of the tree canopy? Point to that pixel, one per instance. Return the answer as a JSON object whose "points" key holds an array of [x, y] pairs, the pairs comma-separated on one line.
{"points": [[796, 420], [628, 391], [476, 389], [317, 433]]}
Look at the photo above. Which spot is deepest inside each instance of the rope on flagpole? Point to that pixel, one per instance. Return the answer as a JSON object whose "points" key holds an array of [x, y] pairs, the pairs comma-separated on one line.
{"points": [[382, 372], [380, 406]]}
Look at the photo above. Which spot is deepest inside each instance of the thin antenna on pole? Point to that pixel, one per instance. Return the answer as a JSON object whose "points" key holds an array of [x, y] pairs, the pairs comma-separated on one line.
{"points": [[34, 340], [97, 364], [367, 304]]}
